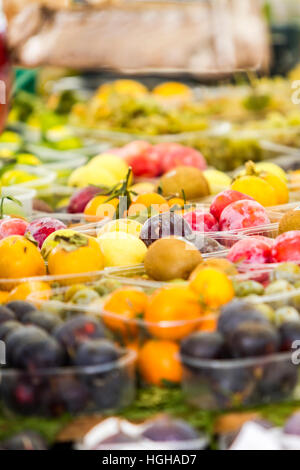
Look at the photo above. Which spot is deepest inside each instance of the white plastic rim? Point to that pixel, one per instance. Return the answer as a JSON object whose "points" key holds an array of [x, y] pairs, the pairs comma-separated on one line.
{"points": [[24, 195]]}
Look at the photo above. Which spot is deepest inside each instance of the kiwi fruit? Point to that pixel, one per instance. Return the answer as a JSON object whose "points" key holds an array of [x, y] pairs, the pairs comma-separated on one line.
{"points": [[171, 258], [185, 180], [290, 221], [220, 263]]}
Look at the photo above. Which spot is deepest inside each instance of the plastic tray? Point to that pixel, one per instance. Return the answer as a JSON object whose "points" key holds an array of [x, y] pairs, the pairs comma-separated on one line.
{"points": [[24, 195], [236, 383], [73, 390], [44, 177]]}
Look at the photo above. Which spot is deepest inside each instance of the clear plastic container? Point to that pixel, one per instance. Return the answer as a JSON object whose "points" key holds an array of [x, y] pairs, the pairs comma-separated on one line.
{"points": [[24, 195], [44, 177], [236, 383], [64, 168], [73, 390]]}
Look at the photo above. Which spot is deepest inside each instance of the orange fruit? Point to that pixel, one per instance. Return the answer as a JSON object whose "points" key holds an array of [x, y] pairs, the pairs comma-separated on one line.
{"points": [[222, 264], [144, 201], [173, 90], [35, 291], [126, 305], [3, 296], [19, 257], [172, 312], [176, 201], [79, 254], [158, 361], [100, 207], [209, 322], [213, 287]]}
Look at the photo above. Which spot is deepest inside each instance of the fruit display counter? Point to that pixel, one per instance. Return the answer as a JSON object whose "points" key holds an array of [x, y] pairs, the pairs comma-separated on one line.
{"points": [[149, 264]]}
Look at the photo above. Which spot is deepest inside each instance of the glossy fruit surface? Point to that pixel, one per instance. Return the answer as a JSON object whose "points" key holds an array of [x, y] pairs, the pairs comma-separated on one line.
{"points": [[250, 250], [243, 214], [237, 312], [78, 330], [213, 287], [100, 206], [172, 312], [121, 249], [95, 352], [287, 247], [252, 339], [38, 290], [28, 260], [203, 345], [126, 305], [172, 155], [79, 254], [201, 221], [143, 202], [223, 199], [12, 226], [258, 188], [158, 361], [121, 225], [40, 229], [164, 225]]}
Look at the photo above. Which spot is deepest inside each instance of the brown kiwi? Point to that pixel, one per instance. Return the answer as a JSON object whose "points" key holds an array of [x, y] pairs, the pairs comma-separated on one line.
{"points": [[220, 263], [171, 258], [185, 180], [290, 221]]}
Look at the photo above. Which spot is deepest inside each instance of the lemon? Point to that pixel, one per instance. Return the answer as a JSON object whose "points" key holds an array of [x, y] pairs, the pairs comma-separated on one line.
{"points": [[122, 225], [86, 175], [272, 168], [217, 180], [121, 249], [115, 165]]}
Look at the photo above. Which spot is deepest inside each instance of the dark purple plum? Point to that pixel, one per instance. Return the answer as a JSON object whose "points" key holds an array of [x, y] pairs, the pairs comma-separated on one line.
{"points": [[277, 380], [45, 320], [22, 393], [7, 328], [6, 314], [65, 394], [203, 345], [164, 225], [292, 426], [32, 348], [289, 332], [166, 429], [252, 339], [25, 440], [237, 312], [20, 308], [96, 352], [77, 330]]}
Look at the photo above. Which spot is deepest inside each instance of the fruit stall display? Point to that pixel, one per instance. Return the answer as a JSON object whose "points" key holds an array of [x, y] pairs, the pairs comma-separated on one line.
{"points": [[147, 285]]}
